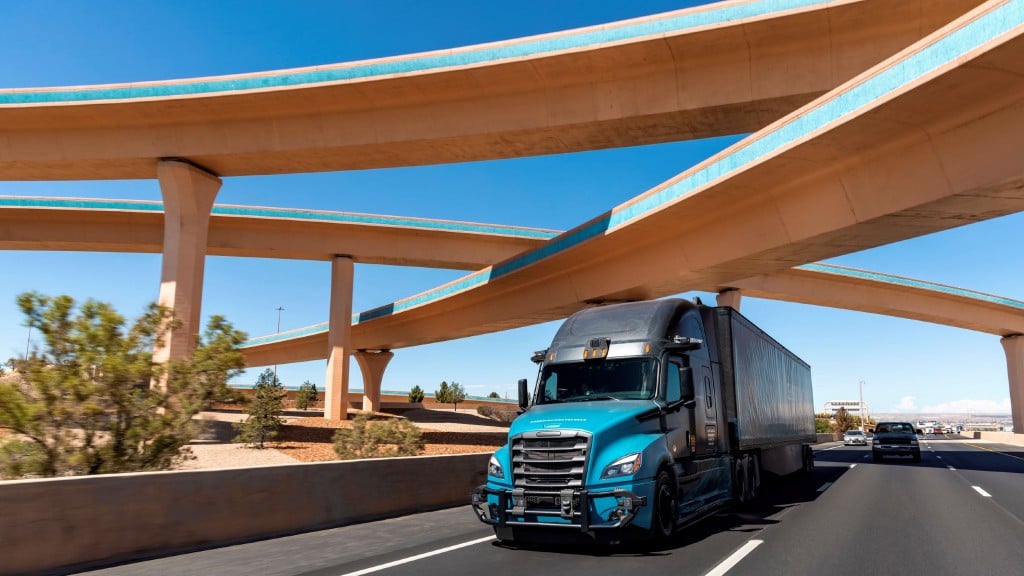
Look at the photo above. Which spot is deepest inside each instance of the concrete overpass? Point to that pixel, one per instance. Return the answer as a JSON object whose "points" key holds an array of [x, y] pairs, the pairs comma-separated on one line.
{"points": [[920, 142], [723, 68], [79, 224], [126, 226]]}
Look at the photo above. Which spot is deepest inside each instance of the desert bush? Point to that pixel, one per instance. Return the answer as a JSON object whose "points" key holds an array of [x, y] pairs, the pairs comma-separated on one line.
{"points": [[496, 413], [377, 439]]}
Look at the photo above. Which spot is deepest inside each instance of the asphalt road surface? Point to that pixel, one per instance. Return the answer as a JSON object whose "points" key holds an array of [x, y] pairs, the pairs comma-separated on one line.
{"points": [[960, 511]]}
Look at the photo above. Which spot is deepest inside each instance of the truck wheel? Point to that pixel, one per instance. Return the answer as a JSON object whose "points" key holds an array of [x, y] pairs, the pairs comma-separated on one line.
{"points": [[663, 514]]}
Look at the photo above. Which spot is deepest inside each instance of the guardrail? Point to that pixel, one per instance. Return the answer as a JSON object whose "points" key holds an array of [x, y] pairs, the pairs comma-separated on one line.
{"points": [[96, 520]]}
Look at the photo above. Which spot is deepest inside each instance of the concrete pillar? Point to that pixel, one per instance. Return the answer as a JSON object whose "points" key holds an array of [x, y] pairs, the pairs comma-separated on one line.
{"points": [[1013, 345], [188, 194], [339, 338], [372, 364], [730, 297]]}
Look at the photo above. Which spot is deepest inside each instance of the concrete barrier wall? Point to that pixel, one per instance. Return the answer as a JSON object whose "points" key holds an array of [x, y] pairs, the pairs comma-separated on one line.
{"points": [[1002, 437], [50, 523]]}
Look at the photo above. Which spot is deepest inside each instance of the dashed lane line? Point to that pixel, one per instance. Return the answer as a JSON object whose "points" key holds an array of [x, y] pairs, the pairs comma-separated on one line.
{"points": [[951, 468], [380, 567], [734, 558], [824, 486], [982, 492], [853, 465]]}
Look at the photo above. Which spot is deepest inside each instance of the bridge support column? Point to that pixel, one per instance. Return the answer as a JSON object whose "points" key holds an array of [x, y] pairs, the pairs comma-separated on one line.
{"points": [[1014, 348], [731, 298], [372, 364], [339, 338], [188, 194]]}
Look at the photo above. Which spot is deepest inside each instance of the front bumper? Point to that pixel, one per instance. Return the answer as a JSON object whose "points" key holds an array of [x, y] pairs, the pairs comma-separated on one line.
{"points": [[895, 449], [571, 508]]}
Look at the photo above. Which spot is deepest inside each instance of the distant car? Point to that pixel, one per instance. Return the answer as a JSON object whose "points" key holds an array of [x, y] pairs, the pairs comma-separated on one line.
{"points": [[855, 437], [895, 439]]}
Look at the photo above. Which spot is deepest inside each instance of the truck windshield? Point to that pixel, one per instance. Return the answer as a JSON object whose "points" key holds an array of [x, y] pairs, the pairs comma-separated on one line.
{"points": [[613, 379]]}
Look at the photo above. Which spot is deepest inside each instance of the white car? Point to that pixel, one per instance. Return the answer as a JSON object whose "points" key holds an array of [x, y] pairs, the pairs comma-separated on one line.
{"points": [[855, 437]]}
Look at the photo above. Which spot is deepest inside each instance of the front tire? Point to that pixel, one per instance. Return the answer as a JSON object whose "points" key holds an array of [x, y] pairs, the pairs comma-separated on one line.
{"points": [[663, 514]]}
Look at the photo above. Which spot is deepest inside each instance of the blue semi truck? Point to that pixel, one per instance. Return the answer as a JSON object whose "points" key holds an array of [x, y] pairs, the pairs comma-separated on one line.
{"points": [[646, 417]]}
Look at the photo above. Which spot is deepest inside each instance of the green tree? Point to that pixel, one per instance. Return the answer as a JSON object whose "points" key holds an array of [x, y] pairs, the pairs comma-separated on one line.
{"points": [[416, 395], [306, 396], [843, 421], [263, 418], [366, 439], [456, 394], [443, 396], [494, 395], [81, 403]]}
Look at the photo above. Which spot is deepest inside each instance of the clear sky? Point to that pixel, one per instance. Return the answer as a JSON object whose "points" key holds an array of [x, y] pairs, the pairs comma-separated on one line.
{"points": [[905, 365]]}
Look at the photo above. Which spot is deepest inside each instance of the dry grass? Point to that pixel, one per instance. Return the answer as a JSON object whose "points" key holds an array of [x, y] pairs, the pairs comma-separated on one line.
{"points": [[310, 440]]}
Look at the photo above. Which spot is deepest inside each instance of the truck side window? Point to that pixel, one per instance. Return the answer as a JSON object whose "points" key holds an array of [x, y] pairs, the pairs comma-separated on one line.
{"points": [[673, 390]]}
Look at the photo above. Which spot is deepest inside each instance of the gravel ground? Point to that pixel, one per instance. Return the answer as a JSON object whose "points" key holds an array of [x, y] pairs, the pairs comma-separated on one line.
{"points": [[308, 438]]}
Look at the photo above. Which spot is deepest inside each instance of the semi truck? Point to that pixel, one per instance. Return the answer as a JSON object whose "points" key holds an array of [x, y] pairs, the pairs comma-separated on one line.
{"points": [[646, 417]]}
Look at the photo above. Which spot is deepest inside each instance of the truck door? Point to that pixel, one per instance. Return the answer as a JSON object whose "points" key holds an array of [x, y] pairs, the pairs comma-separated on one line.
{"points": [[680, 423], [703, 383]]}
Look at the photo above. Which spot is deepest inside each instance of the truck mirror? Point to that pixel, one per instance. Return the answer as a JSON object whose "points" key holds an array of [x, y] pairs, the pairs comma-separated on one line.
{"points": [[524, 394], [686, 383]]}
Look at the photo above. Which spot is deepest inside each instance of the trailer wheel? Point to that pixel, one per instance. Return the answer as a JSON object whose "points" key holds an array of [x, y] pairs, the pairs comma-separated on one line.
{"points": [[663, 514]]}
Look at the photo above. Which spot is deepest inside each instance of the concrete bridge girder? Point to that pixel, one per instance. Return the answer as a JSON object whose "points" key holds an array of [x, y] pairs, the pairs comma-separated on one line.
{"points": [[689, 82]]}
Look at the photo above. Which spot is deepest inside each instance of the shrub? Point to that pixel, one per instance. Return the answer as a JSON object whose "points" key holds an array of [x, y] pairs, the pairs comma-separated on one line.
{"points": [[306, 396], [378, 439], [416, 395], [263, 420], [497, 413], [494, 395]]}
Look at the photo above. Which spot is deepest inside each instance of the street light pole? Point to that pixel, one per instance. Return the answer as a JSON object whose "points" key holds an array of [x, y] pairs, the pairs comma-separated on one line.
{"points": [[862, 406], [28, 342], [279, 310]]}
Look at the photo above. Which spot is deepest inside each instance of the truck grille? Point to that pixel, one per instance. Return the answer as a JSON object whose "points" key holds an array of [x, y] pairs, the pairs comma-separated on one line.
{"points": [[544, 460]]}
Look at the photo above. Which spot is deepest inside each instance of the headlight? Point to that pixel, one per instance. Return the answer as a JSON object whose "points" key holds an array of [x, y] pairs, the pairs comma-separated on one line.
{"points": [[625, 466], [494, 468]]}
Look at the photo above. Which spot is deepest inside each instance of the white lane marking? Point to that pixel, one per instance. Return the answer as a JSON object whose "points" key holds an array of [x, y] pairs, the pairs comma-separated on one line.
{"points": [[951, 468], [939, 457], [824, 486], [735, 558], [832, 448], [982, 492], [866, 456], [853, 465], [373, 569]]}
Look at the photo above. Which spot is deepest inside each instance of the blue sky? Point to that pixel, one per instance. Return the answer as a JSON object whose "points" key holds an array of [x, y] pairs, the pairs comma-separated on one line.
{"points": [[905, 365]]}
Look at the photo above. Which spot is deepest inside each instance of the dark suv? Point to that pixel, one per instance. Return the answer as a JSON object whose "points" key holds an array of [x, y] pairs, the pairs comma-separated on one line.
{"points": [[895, 439]]}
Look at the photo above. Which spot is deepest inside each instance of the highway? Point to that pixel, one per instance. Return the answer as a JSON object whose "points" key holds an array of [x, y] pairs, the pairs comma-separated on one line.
{"points": [[958, 512]]}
